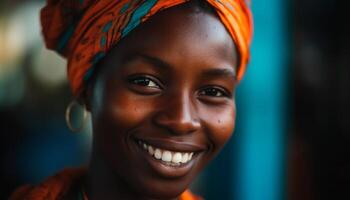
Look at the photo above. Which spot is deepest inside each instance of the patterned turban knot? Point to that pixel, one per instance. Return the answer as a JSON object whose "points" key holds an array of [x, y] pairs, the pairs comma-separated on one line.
{"points": [[83, 31]]}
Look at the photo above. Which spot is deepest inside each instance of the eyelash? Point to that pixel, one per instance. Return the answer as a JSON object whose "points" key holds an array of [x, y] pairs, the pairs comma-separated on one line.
{"points": [[144, 81], [217, 90]]}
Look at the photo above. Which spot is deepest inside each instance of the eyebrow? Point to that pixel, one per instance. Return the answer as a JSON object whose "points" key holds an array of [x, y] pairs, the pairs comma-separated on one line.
{"points": [[150, 59], [220, 72], [215, 72]]}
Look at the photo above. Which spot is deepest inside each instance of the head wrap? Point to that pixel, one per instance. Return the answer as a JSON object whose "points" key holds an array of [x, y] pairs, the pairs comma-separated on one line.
{"points": [[83, 31]]}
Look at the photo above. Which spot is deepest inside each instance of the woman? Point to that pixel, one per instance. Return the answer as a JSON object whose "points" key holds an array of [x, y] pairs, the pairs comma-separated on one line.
{"points": [[158, 78]]}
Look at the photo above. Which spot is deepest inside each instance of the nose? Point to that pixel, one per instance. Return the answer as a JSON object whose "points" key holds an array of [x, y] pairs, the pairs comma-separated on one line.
{"points": [[178, 115]]}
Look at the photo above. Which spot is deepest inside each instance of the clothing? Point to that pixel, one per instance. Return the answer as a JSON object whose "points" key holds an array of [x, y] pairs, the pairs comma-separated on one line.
{"points": [[65, 185], [84, 31]]}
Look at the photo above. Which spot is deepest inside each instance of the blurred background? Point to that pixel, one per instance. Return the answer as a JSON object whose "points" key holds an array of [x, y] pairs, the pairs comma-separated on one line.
{"points": [[292, 135]]}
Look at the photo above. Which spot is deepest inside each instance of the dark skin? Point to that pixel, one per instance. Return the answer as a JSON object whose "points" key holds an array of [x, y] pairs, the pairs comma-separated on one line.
{"points": [[169, 83]]}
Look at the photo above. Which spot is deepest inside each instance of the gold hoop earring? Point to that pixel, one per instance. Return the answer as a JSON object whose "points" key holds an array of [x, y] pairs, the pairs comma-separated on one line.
{"points": [[68, 117]]}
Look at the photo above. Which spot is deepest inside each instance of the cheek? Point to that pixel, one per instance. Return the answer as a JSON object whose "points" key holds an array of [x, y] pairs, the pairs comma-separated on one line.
{"points": [[115, 112], [123, 112], [220, 125], [113, 122]]}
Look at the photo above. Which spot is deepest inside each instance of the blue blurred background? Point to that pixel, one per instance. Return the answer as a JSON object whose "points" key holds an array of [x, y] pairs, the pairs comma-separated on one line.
{"points": [[292, 134]]}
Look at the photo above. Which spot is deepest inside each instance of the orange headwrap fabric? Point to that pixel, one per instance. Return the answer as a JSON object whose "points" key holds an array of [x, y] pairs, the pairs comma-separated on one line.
{"points": [[60, 185], [83, 31]]}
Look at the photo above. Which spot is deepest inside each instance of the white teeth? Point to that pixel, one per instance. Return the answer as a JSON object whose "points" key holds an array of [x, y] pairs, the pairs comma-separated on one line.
{"points": [[184, 158], [158, 154], [190, 156], [177, 157], [150, 150], [166, 155]]}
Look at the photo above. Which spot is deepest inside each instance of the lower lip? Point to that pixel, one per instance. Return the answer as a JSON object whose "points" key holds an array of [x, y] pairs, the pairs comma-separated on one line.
{"points": [[163, 169]]}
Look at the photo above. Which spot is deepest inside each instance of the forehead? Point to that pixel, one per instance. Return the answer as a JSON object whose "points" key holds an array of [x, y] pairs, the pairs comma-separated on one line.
{"points": [[180, 35]]}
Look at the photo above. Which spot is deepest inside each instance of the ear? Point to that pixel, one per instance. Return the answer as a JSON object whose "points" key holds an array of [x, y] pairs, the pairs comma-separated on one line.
{"points": [[85, 98]]}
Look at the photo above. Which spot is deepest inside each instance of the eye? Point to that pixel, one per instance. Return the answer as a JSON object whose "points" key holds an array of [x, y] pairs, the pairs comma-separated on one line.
{"points": [[214, 92], [144, 81]]}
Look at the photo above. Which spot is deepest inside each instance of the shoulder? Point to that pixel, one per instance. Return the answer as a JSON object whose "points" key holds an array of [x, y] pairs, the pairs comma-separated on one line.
{"points": [[58, 186]]}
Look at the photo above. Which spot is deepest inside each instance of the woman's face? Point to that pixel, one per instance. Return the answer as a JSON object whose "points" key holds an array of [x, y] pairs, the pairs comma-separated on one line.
{"points": [[163, 102]]}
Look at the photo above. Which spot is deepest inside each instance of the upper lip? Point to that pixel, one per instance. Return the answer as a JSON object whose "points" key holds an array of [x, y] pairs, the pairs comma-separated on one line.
{"points": [[174, 145]]}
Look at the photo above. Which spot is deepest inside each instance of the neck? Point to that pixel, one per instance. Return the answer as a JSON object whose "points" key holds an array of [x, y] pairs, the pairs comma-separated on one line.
{"points": [[102, 183]]}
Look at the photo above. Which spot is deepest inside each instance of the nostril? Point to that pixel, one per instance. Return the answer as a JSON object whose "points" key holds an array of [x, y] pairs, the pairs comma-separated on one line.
{"points": [[177, 124]]}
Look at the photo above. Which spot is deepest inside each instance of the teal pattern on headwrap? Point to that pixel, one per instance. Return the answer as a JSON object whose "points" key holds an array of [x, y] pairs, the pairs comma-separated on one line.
{"points": [[136, 17], [134, 21]]}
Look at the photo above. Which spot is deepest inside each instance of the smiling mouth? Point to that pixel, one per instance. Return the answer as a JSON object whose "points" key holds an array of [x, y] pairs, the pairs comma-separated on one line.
{"points": [[166, 157]]}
